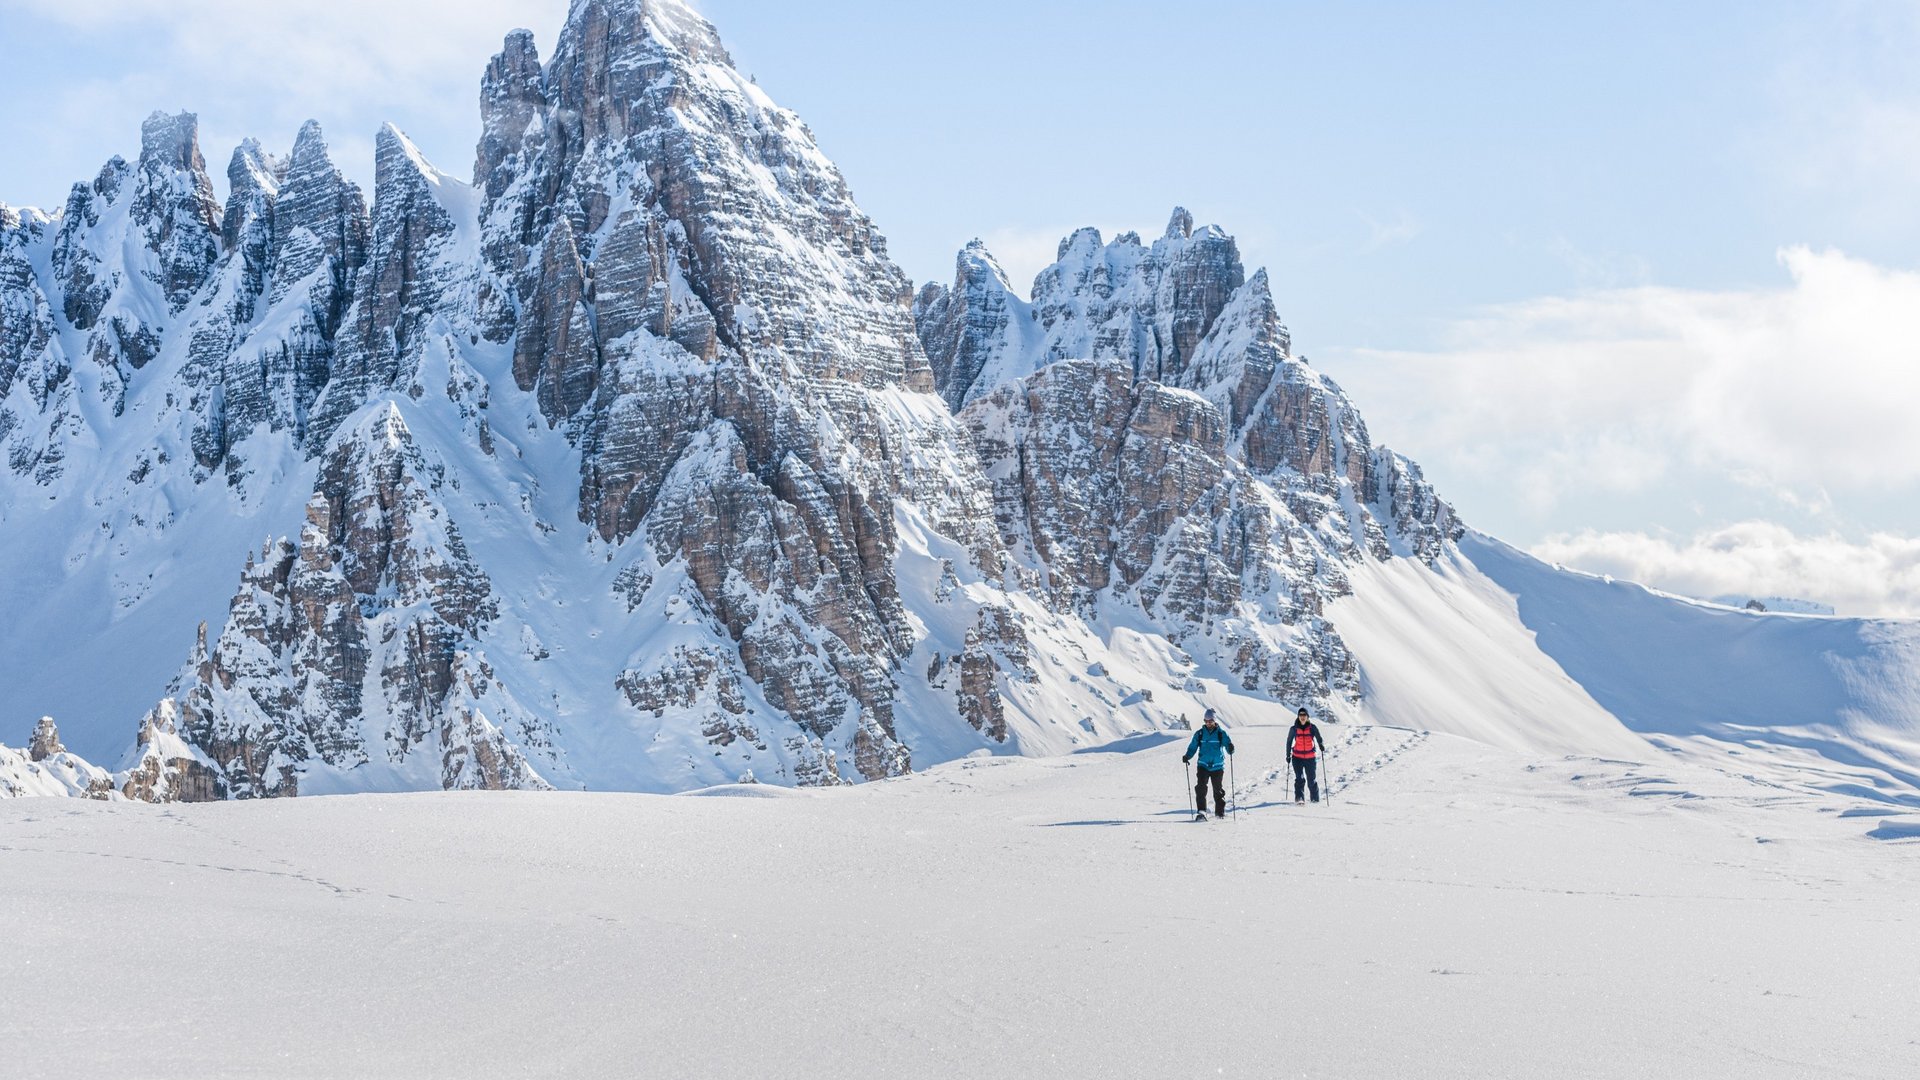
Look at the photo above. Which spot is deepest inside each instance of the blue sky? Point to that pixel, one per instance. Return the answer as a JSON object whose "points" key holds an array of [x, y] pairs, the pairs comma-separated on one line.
{"points": [[1635, 282]]}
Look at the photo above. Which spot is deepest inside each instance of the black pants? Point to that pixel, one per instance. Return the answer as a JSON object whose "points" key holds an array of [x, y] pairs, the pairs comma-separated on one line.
{"points": [[1219, 792], [1304, 769]]}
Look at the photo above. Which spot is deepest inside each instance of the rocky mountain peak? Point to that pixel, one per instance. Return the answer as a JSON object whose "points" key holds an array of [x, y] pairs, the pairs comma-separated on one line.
{"points": [[401, 278], [614, 37], [174, 205], [640, 107], [1083, 242], [45, 741], [171, 142], [1237, 360], [512, 97], [400, 170], [1150, 304], [965, 328], [253, 179], [26, 318], [612, 55], [976, 265], [309, 142], [319, 218], [261, 347], [132, 250]]}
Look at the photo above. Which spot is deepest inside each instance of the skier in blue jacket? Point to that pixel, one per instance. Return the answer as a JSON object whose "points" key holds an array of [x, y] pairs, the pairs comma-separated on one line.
{"points": [[1212, 744]]}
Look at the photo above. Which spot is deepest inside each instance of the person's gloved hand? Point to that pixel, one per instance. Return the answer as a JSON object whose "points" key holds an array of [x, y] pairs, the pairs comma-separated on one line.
{"points": [[1186, 759]]}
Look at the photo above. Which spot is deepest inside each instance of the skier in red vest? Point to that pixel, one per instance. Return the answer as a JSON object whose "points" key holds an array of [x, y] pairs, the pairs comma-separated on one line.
{"points": [[1303, 753]]}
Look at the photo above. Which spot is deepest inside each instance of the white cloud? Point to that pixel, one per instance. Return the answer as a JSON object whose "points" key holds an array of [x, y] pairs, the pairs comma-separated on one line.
{"points": [[1807, 389], [1879, 576]]}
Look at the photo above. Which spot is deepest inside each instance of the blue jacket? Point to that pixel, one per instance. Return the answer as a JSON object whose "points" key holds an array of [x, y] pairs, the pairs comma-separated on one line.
{"points": [[1212, 746]]}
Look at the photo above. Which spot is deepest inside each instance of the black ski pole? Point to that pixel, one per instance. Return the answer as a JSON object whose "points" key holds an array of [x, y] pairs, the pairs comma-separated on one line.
{"points": [[1235, 785], [1188, 771], [1329, 778]]}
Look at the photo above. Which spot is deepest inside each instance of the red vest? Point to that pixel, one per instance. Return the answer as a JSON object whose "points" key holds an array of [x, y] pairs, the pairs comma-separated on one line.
{"points": [[1303, 742]]}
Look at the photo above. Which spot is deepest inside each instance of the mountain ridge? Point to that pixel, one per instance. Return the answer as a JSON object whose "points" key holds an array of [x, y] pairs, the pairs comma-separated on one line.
{"points": [[635, 463]]}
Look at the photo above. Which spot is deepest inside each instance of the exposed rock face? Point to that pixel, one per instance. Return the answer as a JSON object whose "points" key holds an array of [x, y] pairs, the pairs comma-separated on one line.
{"points": [[1148, 306], [966, 328], [407, 277], [295, 233], [26, 319], [1151, 305], [46, 740], [174, 207], [1121, 493], [355, 645], [163, 214], [661, 230], [638, 464], [46, 768], [997, 648], [123, 260], [555, 353], [163, 768], [1190, 466]]}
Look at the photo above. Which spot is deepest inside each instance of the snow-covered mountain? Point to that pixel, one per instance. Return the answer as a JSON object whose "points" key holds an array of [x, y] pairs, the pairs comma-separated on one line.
{"points": [[636, 464]]}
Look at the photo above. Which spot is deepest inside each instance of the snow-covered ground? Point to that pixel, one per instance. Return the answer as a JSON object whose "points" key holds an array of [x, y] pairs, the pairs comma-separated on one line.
{"points": [[1458, 910]]}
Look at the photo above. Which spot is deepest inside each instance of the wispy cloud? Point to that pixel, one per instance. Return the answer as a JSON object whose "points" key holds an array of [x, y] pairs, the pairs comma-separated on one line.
{"points": [[1878, 576], [1601, 270], [1806, 389], [1384, 234]]}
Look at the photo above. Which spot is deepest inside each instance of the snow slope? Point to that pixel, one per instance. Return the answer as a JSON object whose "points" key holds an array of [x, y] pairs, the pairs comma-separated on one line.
{"points": [[1445, 648], [1456, 911], [1497, 646], [1831, 702]]}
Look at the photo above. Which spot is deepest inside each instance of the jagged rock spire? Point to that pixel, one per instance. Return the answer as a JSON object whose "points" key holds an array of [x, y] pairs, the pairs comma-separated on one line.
{"points": [[967, 328], [174, 205], [512, 97], [398, 288], [253, 179], [45, 741], [315, 197]]}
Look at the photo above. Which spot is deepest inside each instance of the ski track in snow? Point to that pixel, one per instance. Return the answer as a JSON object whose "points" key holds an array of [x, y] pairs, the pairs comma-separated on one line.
{"points": [[1360, 752]]}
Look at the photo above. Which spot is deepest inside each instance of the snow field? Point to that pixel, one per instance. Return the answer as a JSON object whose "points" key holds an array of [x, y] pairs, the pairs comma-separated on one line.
{"points": [[1457, 911]]}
